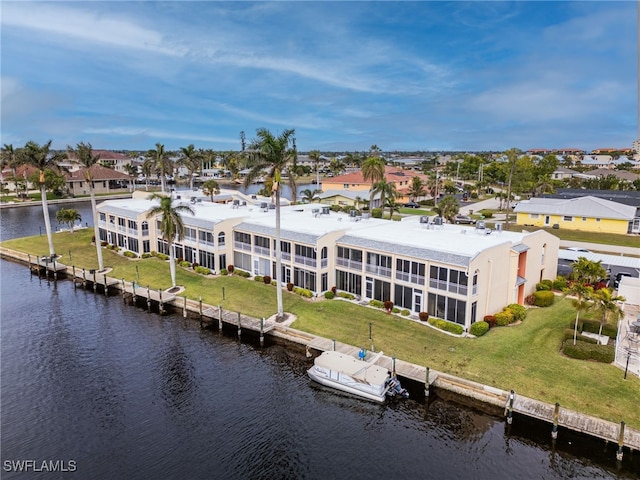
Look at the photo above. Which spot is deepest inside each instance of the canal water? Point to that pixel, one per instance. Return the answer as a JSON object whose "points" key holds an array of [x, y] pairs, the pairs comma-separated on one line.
{"points": [[115, 392]]}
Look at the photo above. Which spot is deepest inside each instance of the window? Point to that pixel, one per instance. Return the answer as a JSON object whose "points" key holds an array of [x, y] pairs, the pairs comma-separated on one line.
{"points": [[146, 246], [305, 251], [379, 264], [190, 234], [103, 217], [403, 297], [206, 259], [349, 282], [133, 244], [304, 278], [442, 278], [205, 237], [132, 224], [567, 218], [242, 237], [584, 219], [145, 228], [220, 239], [345, 186], [242, 261], [263, 242], [324, 280], [408, 271], [447, 308], [534, 215], [190, 254]]}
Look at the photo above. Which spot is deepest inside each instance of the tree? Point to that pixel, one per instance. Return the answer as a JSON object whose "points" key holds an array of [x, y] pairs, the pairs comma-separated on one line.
{"points": [[582, 293], [171, 226], [314, 155], [275, 154], [191, 160], [607, 304], [337, 166], [131, 170], [447, 208], [512, 157], [416, 188], [68, 216], [159, 162], [211, 188], [308, 195], [372, 171], [387, 190], [43, 160], [587, 271], [10, 158], [84, 155], [392, 205]]}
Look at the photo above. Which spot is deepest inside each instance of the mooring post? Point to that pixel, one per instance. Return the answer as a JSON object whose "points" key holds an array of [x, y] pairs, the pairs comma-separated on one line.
{"points": [[95, 284], [184, 308], [29, 260], [84, 279], [620, 442], [106, 288], [160, 305], [554, 430], [55, 273], [239, 326], [124, 292], [510, 407], [220, 318], [393, 366], [262, 332], [427, 385], [73, 269], [333, 345], [200, 306], [148, 299]]}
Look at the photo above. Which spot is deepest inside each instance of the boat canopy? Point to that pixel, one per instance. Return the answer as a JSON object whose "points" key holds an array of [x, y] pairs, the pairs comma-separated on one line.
{"points": [[353, 367]]}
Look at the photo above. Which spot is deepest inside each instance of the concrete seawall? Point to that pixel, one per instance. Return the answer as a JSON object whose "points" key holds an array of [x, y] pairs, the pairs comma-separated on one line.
{"points": [[510, 401]]}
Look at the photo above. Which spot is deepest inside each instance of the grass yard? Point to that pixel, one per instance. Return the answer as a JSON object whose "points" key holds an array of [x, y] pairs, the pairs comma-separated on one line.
{"points": [[523, 357]]}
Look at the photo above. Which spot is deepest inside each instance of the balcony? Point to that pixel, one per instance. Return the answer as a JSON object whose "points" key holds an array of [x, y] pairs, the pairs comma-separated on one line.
{"points": [[377, 270], [306, 261], [243, 246], [264, 251], [410, 278], [348, 263]]}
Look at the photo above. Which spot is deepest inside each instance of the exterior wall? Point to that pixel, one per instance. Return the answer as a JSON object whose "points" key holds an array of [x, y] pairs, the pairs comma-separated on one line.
{"points": [[99, 187], [589, 224]]}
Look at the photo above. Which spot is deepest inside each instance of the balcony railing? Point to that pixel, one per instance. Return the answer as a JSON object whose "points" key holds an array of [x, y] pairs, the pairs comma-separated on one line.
{"points": [[410, 278], [351, 264], [264, 251], [309, 262], [243, 246], [378, 270], [449, 287]]}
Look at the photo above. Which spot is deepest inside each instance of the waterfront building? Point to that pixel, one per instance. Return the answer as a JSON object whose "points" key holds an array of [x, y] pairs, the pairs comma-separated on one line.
{"points": [[457, 273]]}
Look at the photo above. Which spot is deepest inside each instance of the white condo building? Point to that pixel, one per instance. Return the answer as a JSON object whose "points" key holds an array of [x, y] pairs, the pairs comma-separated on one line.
{"points": [[453, 272]]}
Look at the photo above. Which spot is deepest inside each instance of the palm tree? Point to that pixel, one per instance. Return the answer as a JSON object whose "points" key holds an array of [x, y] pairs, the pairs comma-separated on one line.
{"points": [[314, 155], [587, 271], [171, 226], [372, 172], [447, 208], [512, 159], [337, 166], [211, 188], [275, 154], [42, 159], [191, 160], [84, 154], [608, 306], [416, 189], [159, 162], [309, 195], [68, 216], [582, 293], [131, 170], [11, 159], [392, 205], [387, 190]]}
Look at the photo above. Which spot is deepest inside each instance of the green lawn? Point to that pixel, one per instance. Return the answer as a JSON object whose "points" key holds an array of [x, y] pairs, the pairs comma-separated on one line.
{"points": [[524, 357]]}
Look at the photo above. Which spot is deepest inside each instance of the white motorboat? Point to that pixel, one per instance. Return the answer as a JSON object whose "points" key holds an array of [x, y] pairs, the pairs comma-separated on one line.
{"points": [[348, 374]]}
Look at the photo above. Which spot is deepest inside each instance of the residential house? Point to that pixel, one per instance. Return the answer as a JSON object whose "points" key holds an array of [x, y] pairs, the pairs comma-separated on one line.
{"points": [[105, 180], [583, 213], [453, 272], [562, 173]]}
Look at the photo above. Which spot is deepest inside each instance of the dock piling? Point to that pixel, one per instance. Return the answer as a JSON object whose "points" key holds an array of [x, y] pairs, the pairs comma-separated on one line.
{"points": [[510, 407], [554, 430], [239, 326], [333, 345], [220, 318], [75, 284], [184, 308], [160, 304], [262, 332], [427, 385], [619, 453], [148, 299]]}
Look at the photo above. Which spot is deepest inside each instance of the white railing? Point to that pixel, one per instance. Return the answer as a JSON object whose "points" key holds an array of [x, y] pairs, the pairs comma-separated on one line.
{"points": [[243, 246], [262, 251], [377, 270], [410, 278], [309, 262], [352, 264]]}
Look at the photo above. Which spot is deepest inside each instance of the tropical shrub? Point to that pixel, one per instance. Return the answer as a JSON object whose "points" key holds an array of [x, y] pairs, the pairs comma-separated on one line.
{"points": [[568, 335], [503, 318], [347, 295], [395, 310], [129, 254], [479, 328], [242, 273], [266, 279], [103, 244], [303, 292], [545, 284], [329, 295], [185, 264], [388, 305], [334, 289], [423, 316], [146, 255], [202, 270], [486, 213], [589, 351], [530, 299], [544, 298], [446, 326], [162, 256], [230, 269], [560, 283], [194, 265], [223, 271], [519, 312], [593, 326], [376, 213], [405, 312], [258, 278], [376, 303], [491, 320]]}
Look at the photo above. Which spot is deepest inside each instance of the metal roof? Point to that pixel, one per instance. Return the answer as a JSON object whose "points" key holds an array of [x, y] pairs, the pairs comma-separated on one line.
{"points": [[591, 207]]}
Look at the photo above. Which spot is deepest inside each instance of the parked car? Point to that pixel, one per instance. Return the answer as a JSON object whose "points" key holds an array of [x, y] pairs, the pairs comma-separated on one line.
{"points": [[578, 249], [464, 219], [411, 204], [618, 278]]}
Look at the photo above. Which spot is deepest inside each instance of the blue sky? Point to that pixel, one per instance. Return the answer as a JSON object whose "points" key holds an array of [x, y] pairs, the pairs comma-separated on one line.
{"points": [[344, 75]]}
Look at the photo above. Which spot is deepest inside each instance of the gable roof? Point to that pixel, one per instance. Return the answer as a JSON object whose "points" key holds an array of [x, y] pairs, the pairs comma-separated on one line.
{"points": [[99, 172], [591, 207], [392, 174]]}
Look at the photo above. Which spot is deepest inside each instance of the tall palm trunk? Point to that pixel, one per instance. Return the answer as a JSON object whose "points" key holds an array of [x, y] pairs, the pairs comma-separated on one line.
{"points": [[47, 221], [172, 264], [96, 228], [278, 259]]}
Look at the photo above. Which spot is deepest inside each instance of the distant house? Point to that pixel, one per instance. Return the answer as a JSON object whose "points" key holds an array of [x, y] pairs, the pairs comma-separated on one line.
{"points": [[562, 173], [356, 199], [622, 175], [105, 180], [589, 213], [355, 182]]}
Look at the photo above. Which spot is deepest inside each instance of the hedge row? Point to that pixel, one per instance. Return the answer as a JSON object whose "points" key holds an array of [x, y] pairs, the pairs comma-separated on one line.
{"points": [[589, 351], [446, 326], [593, 326], [479, 328]]}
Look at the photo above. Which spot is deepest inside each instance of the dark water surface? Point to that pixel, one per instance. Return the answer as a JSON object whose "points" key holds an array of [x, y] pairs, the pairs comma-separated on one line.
{"points": [[123, 393]]}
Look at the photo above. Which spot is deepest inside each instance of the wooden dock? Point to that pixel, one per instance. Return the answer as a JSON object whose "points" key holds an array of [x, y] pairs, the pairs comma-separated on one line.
{"points": [[212, 315]]}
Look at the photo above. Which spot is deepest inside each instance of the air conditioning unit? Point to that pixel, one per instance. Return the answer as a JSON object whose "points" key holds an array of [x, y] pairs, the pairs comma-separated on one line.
{"points": [[424, 219], [325, 210]]}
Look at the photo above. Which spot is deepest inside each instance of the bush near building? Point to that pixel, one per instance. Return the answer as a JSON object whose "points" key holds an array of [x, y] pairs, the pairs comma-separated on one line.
{"points": [[544, 298], [479, 328], [588, 351], [450, 327]]}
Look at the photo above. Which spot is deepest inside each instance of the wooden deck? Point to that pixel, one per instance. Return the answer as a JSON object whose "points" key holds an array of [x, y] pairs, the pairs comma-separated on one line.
{"points": [[212, 314]]}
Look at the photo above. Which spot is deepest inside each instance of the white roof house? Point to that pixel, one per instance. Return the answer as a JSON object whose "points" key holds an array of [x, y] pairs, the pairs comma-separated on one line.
{"points": [[457, 273]]}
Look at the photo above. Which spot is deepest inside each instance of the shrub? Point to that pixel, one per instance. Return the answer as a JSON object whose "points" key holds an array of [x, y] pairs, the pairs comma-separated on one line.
{"points": [[154, 253], [347, 295], [274, 283], [388, 305], [194, 265], [223, 271], [329, 295], [334, 289], [486, 213], [266, 279], [184, 264], [530, 299], [544, 285], [479, 328], [103, 244], [290, 286], [202, 270], [179, 260], [162, 256], [376, 303], [405, 312], [568, 335], [146, 255], [258, 278], [544, 298], [560, 283], [303, 292], [589, 351], [447, 326], [503, 318], [395, 310], [129, 254], [242, 273], [376, 213], [93, 239], [593, 326], [519, 312], [230, 269], [491, 320], [423, 316]]}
